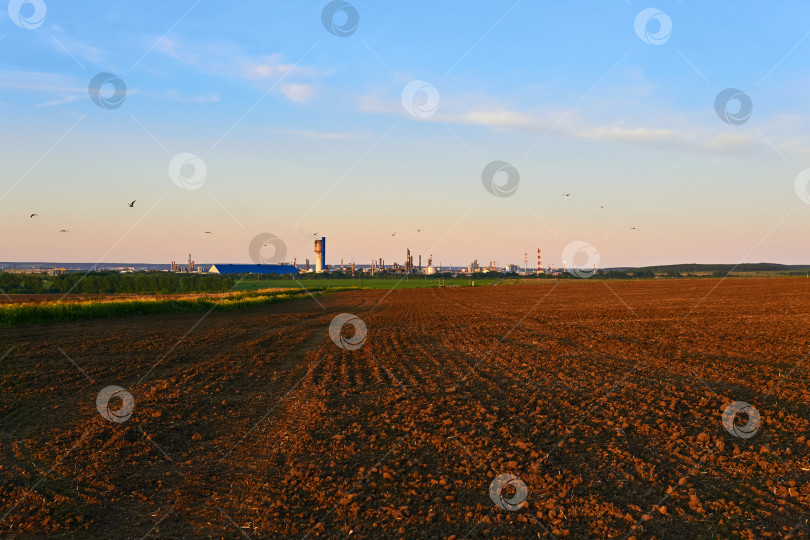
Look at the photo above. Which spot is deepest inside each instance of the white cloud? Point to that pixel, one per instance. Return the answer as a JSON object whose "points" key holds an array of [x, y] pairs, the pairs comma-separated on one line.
{"points": [[39, 82], [226, 59], [732, 143], [635, 134], [656, 127], [323, 135], [271, 67], [299, 93], [501, 118], [75, 47], [180, 97], [68, 99]]}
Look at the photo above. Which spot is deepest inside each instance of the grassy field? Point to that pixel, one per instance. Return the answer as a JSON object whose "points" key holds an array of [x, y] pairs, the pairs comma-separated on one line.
{"points": [[389, 283], [41, 312]]}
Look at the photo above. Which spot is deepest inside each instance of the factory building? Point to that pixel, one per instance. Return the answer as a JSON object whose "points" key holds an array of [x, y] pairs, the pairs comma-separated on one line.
{"points": [[181, 268], [48, 271], [253, 269]]}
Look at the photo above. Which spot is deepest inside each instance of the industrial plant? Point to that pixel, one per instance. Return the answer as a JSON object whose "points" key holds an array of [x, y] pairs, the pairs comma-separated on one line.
{"points": [[411, 265], [377, 266]]}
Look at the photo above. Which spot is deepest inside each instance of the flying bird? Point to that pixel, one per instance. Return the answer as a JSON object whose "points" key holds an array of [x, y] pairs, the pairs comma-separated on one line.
{"points": [[601, 206], [633, 228], [419, 230], [208, 232], [394, 234], [64, 230], [32, 215], [566, 194], [132, 204], [314, 234]]}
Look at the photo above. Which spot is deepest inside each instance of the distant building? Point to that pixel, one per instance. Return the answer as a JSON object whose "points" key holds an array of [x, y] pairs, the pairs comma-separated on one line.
{"points": [[62, 271], [253, 269], [25, 270]]}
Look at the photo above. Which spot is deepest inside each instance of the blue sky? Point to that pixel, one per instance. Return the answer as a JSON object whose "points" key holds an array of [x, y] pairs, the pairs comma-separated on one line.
{"points": [[302, 131]]}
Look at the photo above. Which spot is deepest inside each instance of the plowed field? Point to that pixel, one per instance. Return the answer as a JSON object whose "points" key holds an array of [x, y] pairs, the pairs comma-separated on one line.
{"points": [[605, 399]]}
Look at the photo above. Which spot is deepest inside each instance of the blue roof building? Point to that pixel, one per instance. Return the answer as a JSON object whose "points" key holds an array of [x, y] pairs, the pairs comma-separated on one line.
{"points": [[253, 269]]}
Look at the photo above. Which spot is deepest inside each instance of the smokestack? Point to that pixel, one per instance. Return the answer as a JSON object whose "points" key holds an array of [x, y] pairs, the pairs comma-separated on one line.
{"points": [[320, 254]]}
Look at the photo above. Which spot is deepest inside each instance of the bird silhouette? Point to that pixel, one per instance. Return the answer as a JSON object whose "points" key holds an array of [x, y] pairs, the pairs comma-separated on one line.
{"points": [[566, 194], [394, 234], [601, 206], [32, 215], [64, 230], [633, 228], [418, 230], [132, 204], [314, 234], [208, 232]]}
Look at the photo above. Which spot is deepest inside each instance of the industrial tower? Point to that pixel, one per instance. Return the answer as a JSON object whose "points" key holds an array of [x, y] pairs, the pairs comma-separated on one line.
{"points": [[320, 254]]}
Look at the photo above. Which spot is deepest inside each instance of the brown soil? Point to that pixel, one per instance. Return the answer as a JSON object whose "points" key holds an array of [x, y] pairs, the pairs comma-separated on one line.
{"points": [[607, 406]]}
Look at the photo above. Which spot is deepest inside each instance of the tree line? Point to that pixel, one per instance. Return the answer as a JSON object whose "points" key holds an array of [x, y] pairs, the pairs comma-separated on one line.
{"points": [[114, 282]]}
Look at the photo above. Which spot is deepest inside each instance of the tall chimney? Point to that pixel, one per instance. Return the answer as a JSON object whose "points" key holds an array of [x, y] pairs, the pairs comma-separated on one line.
{"points": [[320, 254]]}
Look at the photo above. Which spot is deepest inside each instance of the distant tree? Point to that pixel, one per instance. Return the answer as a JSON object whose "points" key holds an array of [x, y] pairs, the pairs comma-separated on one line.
{"points": [[109, 284], [89, 285], [9, 282]]}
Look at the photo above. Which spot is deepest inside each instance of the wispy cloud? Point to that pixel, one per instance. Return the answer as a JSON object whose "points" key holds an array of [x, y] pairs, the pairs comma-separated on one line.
{"points": [[324, 135], [68, 99], [228, 60], [74, 47], [180, 97], [659, 128], [36, 81]]}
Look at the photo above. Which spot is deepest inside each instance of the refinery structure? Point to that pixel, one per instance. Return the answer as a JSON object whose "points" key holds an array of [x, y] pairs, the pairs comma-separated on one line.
{"points": [[411, 265], [408, 266]]}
